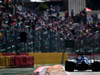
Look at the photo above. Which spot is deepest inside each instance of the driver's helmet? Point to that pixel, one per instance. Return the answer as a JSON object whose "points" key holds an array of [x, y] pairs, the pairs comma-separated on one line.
{"points": [[82, 57]]}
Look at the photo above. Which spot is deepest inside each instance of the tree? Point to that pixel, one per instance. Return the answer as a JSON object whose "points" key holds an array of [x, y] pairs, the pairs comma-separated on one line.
{"points": [[42, 7]]}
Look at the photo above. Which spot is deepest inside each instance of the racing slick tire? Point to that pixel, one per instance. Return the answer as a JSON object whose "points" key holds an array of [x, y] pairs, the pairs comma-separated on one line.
{"points": [[69, 66], [96, 66]]}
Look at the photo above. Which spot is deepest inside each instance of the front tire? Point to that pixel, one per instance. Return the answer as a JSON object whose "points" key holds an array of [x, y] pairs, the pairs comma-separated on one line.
{"points": [[96, 66], [69, 66]]}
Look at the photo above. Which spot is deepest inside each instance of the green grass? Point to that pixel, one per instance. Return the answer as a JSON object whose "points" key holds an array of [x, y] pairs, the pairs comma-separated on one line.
{"points": [[17, 71]]}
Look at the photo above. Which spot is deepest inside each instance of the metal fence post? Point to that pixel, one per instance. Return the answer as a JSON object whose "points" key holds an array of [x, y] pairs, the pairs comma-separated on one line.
{"points": [[42, 43], [79, 45], [33, 34], [58, 41], [6, 43], [99, 44], [93, 45], [50, 47], [15, 41], [25, 47]]}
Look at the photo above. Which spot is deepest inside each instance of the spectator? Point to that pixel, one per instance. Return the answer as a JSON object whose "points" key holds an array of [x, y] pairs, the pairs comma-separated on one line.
{"points": [[67, 28]]}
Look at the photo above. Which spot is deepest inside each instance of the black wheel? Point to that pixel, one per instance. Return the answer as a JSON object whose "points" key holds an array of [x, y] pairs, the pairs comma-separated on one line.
{"points": [[96, 66], [69, 66]]}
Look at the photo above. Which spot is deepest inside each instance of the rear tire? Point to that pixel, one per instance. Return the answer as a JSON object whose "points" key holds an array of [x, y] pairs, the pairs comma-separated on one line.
{"points": [[69, 66], [96, 66]]}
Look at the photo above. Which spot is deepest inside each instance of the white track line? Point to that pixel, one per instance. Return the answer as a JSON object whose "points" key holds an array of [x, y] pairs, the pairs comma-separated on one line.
{"points": [[43, 71]]}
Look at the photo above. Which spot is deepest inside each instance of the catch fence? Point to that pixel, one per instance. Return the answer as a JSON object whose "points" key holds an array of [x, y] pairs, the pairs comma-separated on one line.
{"points": [[43, 41]]}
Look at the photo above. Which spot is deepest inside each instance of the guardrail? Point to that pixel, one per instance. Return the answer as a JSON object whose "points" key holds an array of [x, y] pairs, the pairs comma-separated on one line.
{"points": [[16, 61]]}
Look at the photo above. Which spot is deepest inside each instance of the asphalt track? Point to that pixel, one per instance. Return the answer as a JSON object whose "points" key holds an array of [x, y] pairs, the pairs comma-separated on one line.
{"points": [[28, 71], [76, 72], [87, 72]]}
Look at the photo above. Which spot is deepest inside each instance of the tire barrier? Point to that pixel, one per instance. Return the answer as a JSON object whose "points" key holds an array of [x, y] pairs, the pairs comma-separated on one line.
{"points": [[49, 58], [22, 61], [0, 54], [18, 61], [12, 61], [5, 61]]}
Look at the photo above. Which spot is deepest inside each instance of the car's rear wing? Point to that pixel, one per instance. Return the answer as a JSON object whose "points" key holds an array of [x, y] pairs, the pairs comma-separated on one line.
{"points": [[84, 53]]}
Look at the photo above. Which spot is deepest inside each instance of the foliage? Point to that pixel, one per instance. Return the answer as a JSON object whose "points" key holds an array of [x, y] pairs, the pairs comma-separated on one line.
{"points": [[42, 7]]}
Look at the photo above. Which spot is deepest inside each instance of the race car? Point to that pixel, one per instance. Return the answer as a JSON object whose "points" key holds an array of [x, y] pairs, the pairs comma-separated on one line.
{"points": [[82, 63]]}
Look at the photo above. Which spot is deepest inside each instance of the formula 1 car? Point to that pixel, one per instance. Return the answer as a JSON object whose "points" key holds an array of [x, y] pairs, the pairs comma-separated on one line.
{"points": [[82, 63]]}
